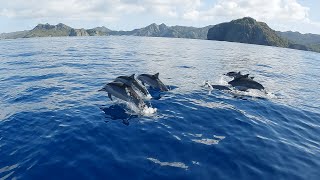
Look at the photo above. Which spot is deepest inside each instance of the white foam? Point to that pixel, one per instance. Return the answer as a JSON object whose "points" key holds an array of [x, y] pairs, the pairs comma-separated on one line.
{"points": [[148, 97], [177, 137], [172, 164], [209, 141], [223, 81], [256, 93], [196, 162], [208, 85], [147, 111]]}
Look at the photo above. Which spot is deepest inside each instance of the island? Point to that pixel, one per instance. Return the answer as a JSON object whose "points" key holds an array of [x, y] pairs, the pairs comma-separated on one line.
{"points": [[244, 30]]}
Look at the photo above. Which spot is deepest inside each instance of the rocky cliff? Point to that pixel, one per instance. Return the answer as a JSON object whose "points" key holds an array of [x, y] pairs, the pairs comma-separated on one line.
{"points": [[246, 30]]}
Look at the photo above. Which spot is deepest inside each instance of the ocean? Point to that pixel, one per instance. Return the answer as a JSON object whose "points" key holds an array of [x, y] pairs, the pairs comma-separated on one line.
{"points": [[55, 124]]}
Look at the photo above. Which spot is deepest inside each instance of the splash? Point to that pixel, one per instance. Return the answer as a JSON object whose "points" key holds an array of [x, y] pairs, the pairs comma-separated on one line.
{"points": [[144, 111], [255, 94], [147, 111]]}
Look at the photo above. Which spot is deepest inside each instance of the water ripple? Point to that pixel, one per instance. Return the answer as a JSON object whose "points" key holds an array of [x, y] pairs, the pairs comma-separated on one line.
{"points": [[55, 124]]}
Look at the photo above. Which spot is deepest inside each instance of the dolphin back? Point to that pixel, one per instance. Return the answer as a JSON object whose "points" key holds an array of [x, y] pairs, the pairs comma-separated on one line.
{"points": [[246, 83]]}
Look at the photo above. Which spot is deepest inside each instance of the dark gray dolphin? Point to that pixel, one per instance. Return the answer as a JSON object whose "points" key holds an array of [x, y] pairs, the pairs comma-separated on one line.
{"points": [[124, 92], [220, 87], [244, 83], [153, 81], [237, 75], [131, 81]]}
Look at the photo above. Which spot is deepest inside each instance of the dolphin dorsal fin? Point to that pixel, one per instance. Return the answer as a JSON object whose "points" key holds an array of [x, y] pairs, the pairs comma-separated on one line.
{"points": [[130, 81], [109, 95], [132, 76], [156, 75]]}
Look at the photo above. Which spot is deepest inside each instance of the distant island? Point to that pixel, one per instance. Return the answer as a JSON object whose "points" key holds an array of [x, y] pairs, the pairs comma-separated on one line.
{"points": [[248, 30], [153, 30], [245, 30]]}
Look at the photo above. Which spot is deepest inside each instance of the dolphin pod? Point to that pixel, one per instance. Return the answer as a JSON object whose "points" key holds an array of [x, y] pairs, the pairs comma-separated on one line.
{"points": [[130, 79], [242, 82], [126, 87], [123, 91]]}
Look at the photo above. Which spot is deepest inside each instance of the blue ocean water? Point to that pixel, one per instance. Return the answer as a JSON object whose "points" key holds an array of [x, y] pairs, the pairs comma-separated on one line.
{"points": [[54, 124]]}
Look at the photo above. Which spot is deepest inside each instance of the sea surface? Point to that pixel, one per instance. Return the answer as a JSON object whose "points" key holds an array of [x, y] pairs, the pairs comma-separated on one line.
{"points": [[54, 124]]}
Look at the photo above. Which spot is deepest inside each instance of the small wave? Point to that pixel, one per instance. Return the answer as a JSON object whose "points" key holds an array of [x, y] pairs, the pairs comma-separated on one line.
{"points": [[194, 135], [186, 67], [177, 137], [209, 141], [8, 169], [25, 54], [172, 164], [71, 49], [253, 93], [219, 105], [196, 162], [146, 111]]}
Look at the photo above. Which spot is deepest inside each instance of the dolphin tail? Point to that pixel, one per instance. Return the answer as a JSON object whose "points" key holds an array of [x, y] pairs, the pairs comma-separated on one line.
{"points": [[109, 95]]}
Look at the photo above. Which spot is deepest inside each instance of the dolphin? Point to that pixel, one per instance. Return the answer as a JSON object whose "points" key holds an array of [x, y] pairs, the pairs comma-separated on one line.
{"points": [[131, 81], [243, 83], [237, 75], [124, 92], [219, 87], [153, 81]]}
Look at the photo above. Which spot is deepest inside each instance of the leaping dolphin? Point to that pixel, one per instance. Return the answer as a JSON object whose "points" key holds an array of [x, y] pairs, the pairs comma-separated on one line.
{"points": [[243, 83], [124, 92], [153, 81], [130, 80]]}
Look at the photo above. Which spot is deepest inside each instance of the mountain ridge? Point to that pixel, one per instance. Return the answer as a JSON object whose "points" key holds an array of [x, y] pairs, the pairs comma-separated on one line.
{"points": [[244, 30]]}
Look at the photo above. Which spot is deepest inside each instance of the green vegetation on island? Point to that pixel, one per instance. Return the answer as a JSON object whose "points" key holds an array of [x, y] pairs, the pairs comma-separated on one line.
{"points": [[248, 30], [310, 41], [163, 30]]}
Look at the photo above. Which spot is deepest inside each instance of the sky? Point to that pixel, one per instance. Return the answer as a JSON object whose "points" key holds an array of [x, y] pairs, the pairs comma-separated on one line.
{"points": [[283, 15]]}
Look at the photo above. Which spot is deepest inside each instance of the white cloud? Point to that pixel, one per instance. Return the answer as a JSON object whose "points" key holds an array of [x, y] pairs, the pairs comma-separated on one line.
{"points": [[93, 8], [280, 14], [288, 10], [107, 10], [190, 12], [187, 9]]}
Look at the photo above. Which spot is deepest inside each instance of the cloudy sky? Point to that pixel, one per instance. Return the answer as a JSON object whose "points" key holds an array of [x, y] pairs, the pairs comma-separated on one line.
{"points": [[297, 15]]}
